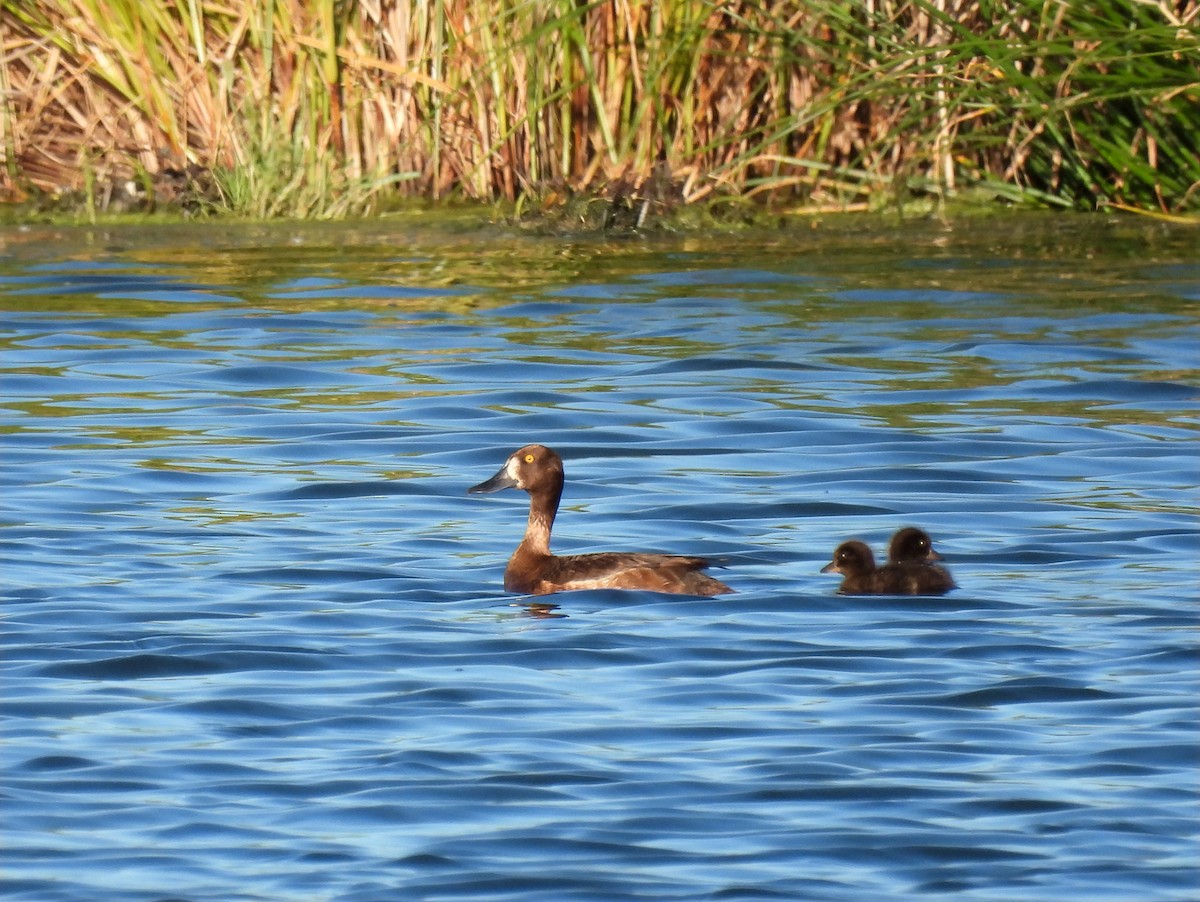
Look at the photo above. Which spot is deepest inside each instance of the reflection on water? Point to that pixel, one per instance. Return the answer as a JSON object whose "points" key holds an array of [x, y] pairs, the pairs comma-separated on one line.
{"points": [[257, 645]]}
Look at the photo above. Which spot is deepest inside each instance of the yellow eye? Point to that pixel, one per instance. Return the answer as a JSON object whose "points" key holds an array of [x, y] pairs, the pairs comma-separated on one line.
{"points": [[528, 458]]}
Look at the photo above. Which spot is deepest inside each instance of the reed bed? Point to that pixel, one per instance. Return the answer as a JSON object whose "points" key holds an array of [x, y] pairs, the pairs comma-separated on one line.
{"points": [[322, 108]]}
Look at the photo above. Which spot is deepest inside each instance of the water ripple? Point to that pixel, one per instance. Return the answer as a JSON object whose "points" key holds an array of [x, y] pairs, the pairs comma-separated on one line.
{"points": [[258, 646]]}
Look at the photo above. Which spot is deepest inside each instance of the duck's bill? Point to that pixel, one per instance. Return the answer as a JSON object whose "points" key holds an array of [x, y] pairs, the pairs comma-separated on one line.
{"points": [[831, 567], [502, 480]]}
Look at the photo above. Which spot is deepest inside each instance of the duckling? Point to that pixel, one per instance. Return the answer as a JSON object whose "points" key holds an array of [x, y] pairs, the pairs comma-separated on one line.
{"points": [[855, 562], [911, 551]]}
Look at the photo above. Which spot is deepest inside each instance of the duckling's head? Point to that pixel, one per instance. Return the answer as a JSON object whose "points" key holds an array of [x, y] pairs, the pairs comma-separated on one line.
{"points": [[851, 558], [911, 546]]}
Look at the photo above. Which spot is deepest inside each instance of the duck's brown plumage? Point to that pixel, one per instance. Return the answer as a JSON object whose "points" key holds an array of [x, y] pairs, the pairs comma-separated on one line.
{"points": [[909, 570], [533, 569]]}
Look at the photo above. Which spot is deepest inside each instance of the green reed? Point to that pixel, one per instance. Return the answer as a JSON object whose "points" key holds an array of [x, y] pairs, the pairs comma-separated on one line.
{"points": [[321, 108]]}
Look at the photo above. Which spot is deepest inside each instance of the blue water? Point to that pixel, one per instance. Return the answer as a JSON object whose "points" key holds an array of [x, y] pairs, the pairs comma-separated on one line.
{"points": [[257, 645]]}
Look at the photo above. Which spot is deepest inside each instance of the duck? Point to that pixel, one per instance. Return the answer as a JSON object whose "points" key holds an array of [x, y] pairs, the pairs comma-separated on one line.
{"points": [[907, 572], [534, 570], [911, 551]]}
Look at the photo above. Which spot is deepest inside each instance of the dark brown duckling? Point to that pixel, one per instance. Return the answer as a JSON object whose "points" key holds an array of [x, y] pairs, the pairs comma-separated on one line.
{"points": [[911, 552], [856, 563], [535, 571]]}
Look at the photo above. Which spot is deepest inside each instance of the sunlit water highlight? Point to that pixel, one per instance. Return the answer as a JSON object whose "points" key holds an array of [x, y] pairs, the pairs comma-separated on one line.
{"points": [[257, 646]]}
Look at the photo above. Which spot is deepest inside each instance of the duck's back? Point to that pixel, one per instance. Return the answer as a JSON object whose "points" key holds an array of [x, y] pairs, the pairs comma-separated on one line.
{"points": [[677, 574]]}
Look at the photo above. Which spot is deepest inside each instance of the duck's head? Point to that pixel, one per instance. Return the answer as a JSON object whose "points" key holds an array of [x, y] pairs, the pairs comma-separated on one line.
{"points": [[851, 558], [534, 468], [910, 546]]}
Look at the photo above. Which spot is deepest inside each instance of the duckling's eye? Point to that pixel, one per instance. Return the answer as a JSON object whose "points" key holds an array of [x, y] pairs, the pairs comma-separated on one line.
{"points": [[528, 458]]}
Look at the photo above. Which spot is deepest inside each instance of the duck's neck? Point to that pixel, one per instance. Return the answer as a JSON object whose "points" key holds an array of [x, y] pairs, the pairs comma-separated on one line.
{"points": [[543, 506]]}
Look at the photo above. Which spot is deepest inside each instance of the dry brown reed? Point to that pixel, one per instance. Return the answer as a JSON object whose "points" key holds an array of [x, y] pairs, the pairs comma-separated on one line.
{"points": [[319, 108]]}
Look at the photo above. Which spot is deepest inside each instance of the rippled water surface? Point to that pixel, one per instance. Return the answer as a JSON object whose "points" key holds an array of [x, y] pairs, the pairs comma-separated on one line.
{"points": [[257, 645]]}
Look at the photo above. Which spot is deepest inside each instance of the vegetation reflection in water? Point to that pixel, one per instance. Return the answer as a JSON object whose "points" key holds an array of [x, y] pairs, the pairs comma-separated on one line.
{"points": [[939, 354]]}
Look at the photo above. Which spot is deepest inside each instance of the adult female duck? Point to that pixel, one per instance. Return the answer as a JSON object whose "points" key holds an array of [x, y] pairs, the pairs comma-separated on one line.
{"points": [[535, 571]]}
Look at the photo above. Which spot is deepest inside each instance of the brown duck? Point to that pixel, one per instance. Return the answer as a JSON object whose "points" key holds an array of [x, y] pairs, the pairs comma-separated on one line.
{"points": [[534, 570]]}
